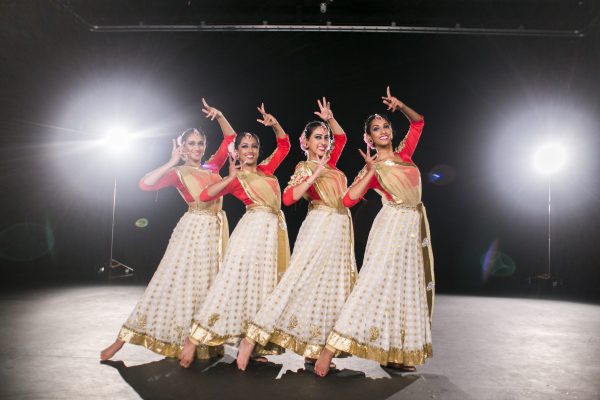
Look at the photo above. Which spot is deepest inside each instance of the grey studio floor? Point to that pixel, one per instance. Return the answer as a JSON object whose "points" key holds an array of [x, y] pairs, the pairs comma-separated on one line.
{"points": [[484, 348]]}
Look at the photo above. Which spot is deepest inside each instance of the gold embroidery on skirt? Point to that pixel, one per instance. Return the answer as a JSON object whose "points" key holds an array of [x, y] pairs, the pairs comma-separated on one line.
{"points": [[293, 322], [213, 319], [165, 348], [382, 356], [374, 334]]}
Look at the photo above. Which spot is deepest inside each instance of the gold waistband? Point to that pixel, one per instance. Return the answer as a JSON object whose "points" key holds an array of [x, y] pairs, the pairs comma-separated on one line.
{"points": [[206, 211], [403, 206], [323, 207], [254, 208]]}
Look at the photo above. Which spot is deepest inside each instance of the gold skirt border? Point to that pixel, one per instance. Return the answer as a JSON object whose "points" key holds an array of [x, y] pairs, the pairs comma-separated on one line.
{"points": [[382, 356], [201, 336], [166, 349], [283, 339]]}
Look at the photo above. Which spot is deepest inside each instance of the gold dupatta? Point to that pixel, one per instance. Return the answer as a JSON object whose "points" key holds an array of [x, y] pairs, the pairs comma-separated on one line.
{"points": [[402, 181], [265, 193], [195, 180], [330, 186]]}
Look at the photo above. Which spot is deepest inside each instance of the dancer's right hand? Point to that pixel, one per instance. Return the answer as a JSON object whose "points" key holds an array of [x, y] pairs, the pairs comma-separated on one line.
{"points": [[234, 167], [177, 153], [369, 161], [321, 161]]}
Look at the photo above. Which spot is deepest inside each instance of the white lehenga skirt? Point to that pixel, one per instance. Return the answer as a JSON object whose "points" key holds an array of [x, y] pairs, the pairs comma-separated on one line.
{"points": [[304, 306], [161, 318], [248, 275], [386, 318]]}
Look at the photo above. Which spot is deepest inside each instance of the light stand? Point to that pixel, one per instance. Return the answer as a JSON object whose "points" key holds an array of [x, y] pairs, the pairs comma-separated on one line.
{"points": [[116, 268]]}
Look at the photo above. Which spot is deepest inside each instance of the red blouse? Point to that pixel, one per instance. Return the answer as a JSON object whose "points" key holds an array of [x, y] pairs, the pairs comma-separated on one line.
{"points": [[171, 178], [267, 167], [339, 144], [404, 151]]}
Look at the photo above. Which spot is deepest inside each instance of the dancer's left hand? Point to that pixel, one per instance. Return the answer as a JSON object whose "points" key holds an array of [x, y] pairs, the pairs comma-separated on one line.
{"points": [[392, 103], [324, 112], [267, 119], [210, 112]]}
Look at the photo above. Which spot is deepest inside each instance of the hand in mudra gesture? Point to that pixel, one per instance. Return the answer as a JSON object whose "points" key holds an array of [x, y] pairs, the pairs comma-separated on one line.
{"points": [[369, 160], [210, 112], [267, 119], [392, 103], [321, 162], [324, 112]]}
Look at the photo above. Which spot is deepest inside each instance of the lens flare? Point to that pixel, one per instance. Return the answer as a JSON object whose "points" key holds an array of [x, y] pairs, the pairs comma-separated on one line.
{"points": [[141, 223], [496, 263], [441, 175]]}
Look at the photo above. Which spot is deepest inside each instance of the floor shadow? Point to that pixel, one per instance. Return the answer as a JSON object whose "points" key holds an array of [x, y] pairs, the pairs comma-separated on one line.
{"points": [[221, 379]]}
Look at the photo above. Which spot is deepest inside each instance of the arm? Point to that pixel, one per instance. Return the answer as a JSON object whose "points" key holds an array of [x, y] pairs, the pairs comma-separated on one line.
{"points": [[164, 175], [409, 143], [326, 115], [300, 183], [270, 164], [217, 160], [362, 182], [222, 187], [359, 187]]}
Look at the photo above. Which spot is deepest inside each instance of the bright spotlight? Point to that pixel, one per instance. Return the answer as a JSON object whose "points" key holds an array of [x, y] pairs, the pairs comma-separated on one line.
{"points": [[117, 140], [549, 158]]}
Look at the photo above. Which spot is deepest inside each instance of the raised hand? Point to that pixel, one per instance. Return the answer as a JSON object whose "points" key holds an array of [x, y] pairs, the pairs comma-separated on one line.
{"points": [[267, 119], [177, 153], [369, 161], [210, 112], [324, 112], [392, 103]]}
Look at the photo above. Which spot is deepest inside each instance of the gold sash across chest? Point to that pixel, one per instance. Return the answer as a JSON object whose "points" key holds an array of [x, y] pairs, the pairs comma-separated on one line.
{"points": [[402, 181], [195, 180], [265, 194]]}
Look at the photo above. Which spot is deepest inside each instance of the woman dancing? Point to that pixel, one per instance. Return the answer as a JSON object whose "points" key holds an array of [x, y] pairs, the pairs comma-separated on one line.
{"points": [[179, 286], [387, 318], [258, 250], [302, 309]]}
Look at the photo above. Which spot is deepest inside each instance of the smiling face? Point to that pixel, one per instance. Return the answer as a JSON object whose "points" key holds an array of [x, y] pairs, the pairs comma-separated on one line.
{"points": [[318, 142], [380, 132], [194, 146], [248, 149]]}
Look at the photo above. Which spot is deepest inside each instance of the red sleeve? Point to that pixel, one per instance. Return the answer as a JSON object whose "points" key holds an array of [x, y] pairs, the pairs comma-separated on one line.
{"points": [[339, 142], [288, 193], [348, 202], [217, 160], [169, 179], [269, 165], [411, 140], [204, 196]]}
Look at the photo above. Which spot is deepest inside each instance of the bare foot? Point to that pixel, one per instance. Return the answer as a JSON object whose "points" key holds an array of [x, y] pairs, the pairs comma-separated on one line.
{"points": [[402, 367], [187, 354], [313, 361], [244, 353], [111, 350], [324, 363]]}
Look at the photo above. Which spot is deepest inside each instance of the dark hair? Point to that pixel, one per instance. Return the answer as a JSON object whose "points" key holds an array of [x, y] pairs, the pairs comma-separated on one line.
{"points": [[238, 138], [311, 126], [370, 119], [187, 133]]}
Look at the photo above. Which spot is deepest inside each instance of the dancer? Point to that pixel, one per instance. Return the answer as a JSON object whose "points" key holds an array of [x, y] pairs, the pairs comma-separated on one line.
{"points": [[179, 286], [302, 309], [258, 251], [387, 318]]}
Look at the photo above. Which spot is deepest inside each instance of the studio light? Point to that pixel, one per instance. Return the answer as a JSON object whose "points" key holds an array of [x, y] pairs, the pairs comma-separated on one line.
{"points": [[549, 158]]}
